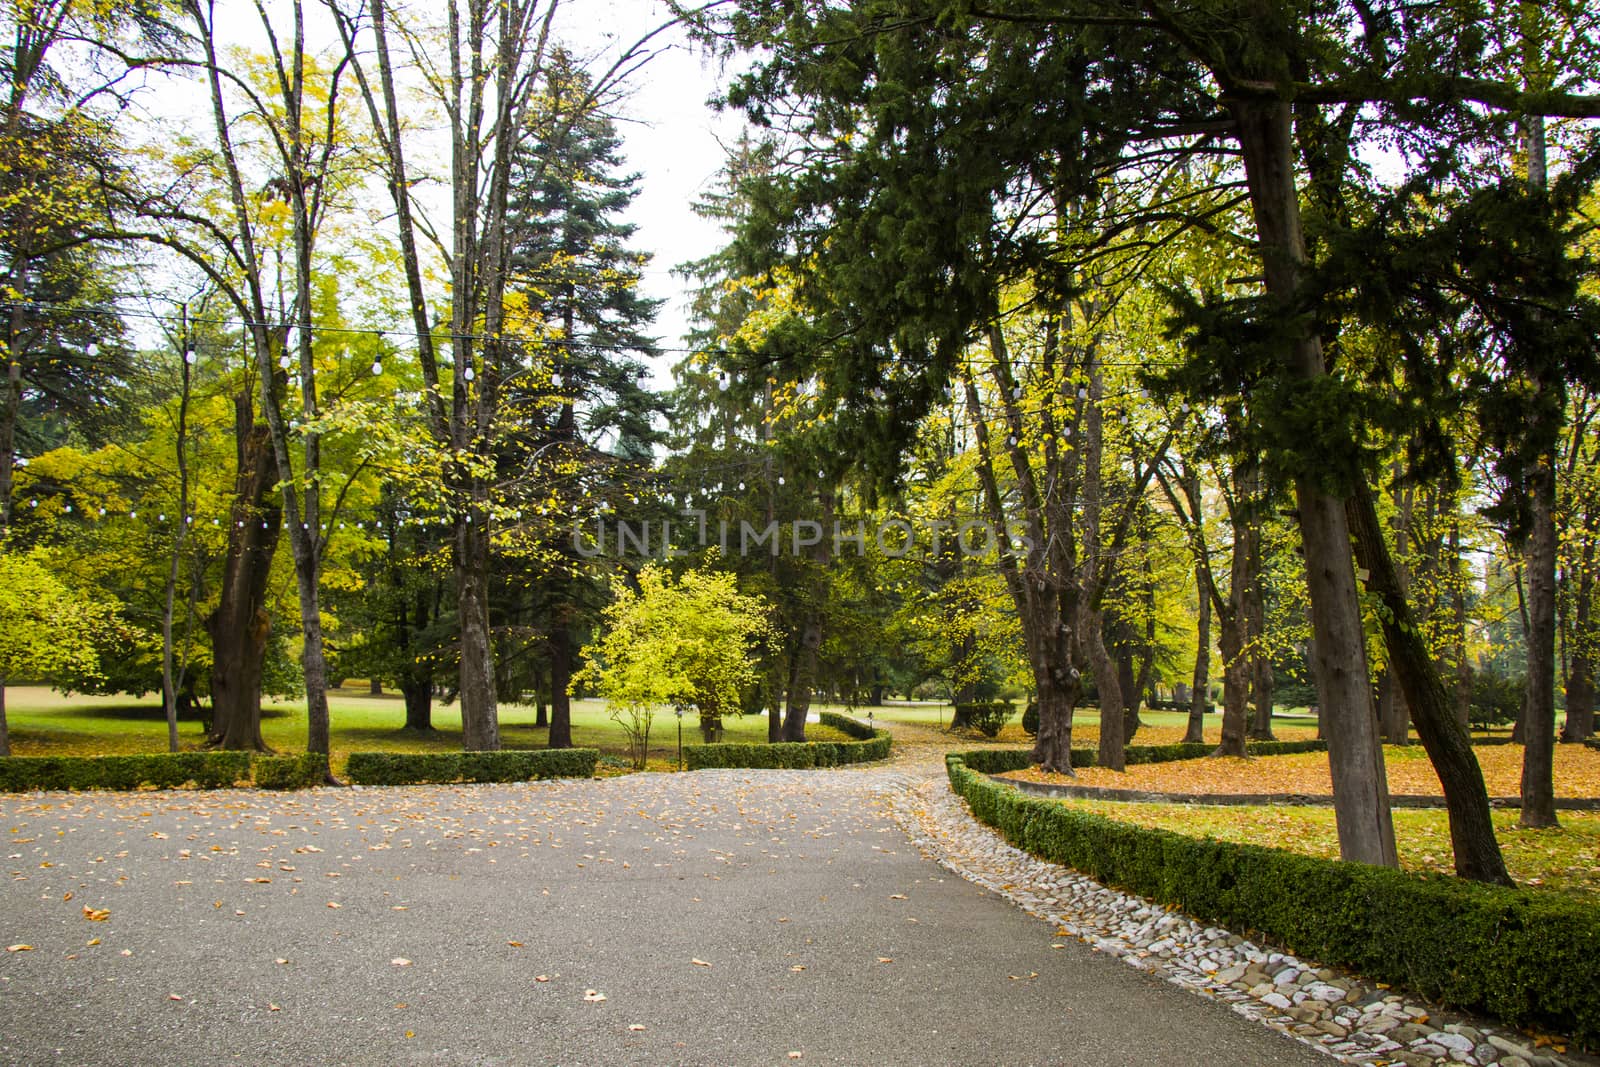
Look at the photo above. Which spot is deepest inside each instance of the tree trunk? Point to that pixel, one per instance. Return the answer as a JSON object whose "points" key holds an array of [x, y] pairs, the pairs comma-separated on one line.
{"points": [[1580, 670], [1128, 674], [419, 704], [480, 713], [5, 730], [1355, 758], [239, 625], [1111, 754], [1458, 607], [802, 675], [560, 679], [1255, 609], [1539, 716], [1200, 699], [1235, 687], [1449, 748]]}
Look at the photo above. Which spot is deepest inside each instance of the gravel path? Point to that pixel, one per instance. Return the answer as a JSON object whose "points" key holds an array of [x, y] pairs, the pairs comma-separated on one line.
{"points": [[717, 917]]}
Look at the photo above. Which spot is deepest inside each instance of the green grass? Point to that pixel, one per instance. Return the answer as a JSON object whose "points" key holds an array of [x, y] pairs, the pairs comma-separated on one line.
{"points": [[1565, 860], [46, 723]]}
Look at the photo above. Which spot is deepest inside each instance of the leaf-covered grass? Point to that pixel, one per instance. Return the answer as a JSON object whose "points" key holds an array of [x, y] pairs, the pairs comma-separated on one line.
{"points": [[1159, 727], [1410, 773], [46, 723], [1565, 860]]}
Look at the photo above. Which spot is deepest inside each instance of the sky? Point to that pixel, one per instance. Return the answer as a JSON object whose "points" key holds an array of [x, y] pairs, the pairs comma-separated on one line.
{"points": [[672, 138]]}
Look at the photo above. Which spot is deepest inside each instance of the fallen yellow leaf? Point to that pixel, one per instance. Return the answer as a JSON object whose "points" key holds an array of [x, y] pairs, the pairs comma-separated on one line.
{"points": [[173, 996], [541, 978], [400, 961], [93, 941], [19, 948], [885, 959], [700, 963], [96, 915], [514, 944]]}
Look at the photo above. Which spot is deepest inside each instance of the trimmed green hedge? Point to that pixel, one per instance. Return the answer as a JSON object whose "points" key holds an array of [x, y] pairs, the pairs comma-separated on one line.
{"points": [[290, 772], [510, 765], [795, 755], [1528, 958], [1001, 760], [161, 770]]}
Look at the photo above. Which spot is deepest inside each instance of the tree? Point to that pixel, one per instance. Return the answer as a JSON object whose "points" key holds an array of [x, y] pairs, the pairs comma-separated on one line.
{"points": [[686, 644], [46, 629], [581, 429]]}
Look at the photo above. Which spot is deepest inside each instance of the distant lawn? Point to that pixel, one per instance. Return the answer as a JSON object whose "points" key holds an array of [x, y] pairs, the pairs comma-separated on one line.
{"points": [[46, 723]]}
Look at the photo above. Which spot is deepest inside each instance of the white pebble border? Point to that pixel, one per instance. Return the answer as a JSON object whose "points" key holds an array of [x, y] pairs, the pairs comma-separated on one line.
{"points": [[1341, 1014]]}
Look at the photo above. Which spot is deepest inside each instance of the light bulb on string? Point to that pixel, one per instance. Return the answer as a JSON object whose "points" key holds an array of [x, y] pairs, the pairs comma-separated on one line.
{"points": [[188, 356], [377, 368], [467, 374], [93, 350], [285, 361]]}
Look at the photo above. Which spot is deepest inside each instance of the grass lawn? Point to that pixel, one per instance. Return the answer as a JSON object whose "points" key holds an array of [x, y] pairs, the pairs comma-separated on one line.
{"points": [[1564, 860], [1159, 727], [46, 723]]}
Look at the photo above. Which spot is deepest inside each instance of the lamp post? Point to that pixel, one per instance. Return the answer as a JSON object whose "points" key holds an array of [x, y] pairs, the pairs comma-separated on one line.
{"points": [[679, 713]]}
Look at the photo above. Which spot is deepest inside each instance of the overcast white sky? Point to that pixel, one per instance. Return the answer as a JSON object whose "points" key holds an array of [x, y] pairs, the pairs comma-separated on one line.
{"points": [[672, 139]]}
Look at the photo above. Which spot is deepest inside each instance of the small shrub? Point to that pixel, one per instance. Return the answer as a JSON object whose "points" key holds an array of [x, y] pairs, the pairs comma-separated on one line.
{"points": [[1030, 719], [405, 768], [291, 772], [161, 770], [984, 716]]}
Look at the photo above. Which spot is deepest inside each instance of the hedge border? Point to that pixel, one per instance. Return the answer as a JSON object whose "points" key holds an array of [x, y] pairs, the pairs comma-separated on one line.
{"points": [[870, 744], [160, 770], [507, 765], [290, 772], [1528, 958]]}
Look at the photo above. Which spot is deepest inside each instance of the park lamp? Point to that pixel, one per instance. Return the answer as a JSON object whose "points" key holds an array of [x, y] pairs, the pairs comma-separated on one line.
{"points": [[679, 713]]}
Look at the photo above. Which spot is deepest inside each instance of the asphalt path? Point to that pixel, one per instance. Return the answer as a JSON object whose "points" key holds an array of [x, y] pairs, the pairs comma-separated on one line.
{"points": [[722, 917]]}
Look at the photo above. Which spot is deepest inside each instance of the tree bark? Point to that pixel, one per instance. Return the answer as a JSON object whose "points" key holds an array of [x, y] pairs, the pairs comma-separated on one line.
{"points": [[239, 625], [480, 718], [1458, 609], [1539, 716], [1355, 758], [1579, 725], [1200, 699], [419, 704], [802, 675], [1449, 748], [560, 680]]}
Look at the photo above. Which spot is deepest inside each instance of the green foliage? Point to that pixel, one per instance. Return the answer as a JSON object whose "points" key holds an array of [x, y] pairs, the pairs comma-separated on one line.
{"points": [[1528, 958], [985, 716], [1496, 698], [290, 772], [166, 770], [397, 768], [870, 745], [46, 630], [685, 644]]}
